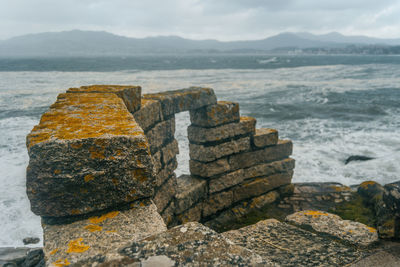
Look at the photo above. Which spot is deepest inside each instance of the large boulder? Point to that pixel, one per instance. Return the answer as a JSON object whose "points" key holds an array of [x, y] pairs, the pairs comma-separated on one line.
{"points": [[87, 154]]}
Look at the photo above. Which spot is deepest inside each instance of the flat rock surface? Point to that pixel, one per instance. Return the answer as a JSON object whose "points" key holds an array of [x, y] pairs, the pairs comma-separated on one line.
{"points": [[221, 113], [192, 244], [182, 100], [354, 232], [100, 236], [288, 245]]}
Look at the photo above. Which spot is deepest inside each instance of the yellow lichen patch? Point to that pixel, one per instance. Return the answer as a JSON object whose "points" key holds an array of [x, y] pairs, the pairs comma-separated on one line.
{"points": [[111, 231], [141, 204], [140, 175], [61, 262], [96, 153], [57, 171], [115, 181], [340, 188], [102, 89], [315, 213], [75, 212], [366, 184], [102, 218], [93, 228], [54, 251], [76, 146], [84, 116], [88, 177], [372, 230], [77, 246]]}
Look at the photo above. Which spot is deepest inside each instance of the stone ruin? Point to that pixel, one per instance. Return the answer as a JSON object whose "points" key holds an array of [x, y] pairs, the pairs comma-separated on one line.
{"points": [[102, 161], [101, 176]]}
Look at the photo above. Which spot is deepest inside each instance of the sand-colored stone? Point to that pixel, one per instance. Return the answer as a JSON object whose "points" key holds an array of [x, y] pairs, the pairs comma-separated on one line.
{"points": [[226, 181], [200, 135], [102, 236], [210, 153], [176, 101], [265, 137], [131, 95], [193, 214], [210, 116], [87, 154]]}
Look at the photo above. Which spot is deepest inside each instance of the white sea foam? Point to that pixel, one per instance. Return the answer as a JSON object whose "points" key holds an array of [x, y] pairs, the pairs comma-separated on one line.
{"points": [[321, 142]]}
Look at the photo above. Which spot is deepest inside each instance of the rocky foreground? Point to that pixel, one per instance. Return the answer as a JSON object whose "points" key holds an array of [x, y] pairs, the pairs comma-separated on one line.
{"points": [[101, 176]]}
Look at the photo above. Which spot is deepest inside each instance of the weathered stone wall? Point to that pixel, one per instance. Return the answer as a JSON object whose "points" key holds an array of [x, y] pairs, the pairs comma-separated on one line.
{"points": [[107, 148]]}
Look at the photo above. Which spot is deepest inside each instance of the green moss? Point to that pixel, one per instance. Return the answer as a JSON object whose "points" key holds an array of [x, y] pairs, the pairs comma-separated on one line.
{"points": [[356, 210]]}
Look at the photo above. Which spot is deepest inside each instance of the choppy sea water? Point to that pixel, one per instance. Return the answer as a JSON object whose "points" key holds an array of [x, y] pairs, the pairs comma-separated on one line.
{"points": [[330, 111]]}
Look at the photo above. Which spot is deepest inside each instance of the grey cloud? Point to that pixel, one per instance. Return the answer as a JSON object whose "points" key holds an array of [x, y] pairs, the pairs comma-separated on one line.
{"points": [[221, 19]]}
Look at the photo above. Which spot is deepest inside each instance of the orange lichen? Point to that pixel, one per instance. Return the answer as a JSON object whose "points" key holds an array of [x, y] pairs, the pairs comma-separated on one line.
{"points": [[75, 212], [88, 177], [102, 218], [77, 246], [61, 262], [76, 146], [111, 231], [54, 251], [84, 116], [366, 184], [115, 181], [141, 204], [315, 213], [340, 188], [57, 171], [93, 228], [372, 230]]}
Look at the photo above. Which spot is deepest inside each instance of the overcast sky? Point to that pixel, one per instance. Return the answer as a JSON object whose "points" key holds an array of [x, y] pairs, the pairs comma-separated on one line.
{"points": [[202, 19]]}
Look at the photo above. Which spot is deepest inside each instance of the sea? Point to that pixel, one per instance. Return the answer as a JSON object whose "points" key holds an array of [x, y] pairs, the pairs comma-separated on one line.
{"points": [[331, 106]]}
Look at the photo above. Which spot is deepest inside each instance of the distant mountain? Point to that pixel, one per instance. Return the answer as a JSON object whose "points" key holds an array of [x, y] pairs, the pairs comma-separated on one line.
{"points": [[98, 43]]}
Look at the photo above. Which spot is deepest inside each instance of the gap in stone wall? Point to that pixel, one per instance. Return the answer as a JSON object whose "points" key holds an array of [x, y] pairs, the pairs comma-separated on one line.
{"points": [[182, 121]]}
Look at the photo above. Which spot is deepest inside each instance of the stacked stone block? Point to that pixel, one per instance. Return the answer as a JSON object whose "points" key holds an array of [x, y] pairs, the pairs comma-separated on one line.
{"points": [[157, 118]]}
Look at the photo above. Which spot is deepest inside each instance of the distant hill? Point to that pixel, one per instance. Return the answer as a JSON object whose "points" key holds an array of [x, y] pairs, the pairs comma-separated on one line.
{"points": [[98, 43]]}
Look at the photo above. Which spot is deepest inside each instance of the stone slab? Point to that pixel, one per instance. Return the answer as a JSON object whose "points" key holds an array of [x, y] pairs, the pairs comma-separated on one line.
{"points": [[210, 153], [173, 102], [266, 169], [149, 114], [265, 137], [261, 185], [190, 191], [381, 259], [169, 151], [193, 244], [323, 222], [217, 202], [166, 172], [161, 134], [168, 215], [240, 210], [288, 245], [131, 95], [280, 151], [191, 215], [213, 115], [200, 135], [102, 236], [165, 193], [87, 154], [226, 181], [209, 169]]}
